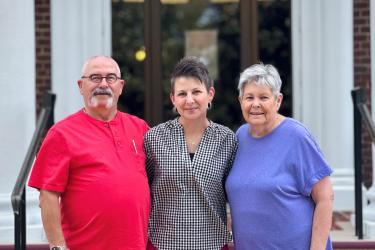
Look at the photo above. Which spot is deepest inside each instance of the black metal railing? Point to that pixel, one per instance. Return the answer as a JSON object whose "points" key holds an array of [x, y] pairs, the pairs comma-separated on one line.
{"points": [[45, 121], [361, 113]]}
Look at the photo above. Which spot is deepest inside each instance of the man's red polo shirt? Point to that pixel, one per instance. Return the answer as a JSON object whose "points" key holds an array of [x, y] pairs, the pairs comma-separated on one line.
{"points": [[99, 169]]}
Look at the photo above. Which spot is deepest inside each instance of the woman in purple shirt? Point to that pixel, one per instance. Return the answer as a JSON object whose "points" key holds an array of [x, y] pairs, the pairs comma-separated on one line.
{"points": [[279, 189]]}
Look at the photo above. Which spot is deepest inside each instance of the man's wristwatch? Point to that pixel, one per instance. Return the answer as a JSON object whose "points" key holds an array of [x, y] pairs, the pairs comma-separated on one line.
{"points": [[59, 248]]}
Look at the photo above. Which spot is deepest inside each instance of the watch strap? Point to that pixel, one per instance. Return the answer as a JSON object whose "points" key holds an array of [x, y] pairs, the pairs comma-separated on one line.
{"points": [[58, 248]]}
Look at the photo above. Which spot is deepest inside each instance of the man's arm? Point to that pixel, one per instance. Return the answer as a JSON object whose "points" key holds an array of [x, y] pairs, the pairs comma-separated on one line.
{"points": [[322, 194], [50, 207]]}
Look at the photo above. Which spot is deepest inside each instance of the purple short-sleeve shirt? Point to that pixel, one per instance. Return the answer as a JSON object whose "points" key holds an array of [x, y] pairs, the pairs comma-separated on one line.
{"points": [[269, 187]]}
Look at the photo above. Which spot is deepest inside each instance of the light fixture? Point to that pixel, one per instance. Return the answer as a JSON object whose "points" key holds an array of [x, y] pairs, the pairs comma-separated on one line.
{"points": [[140, 54]]}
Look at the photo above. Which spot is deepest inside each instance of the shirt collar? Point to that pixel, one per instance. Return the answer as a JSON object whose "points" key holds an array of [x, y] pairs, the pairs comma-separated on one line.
{"points": [[114, 121], [176, 124]]}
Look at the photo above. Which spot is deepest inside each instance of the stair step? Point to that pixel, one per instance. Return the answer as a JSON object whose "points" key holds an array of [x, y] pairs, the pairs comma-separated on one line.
{"points": [[28, 247], [358, 244]]}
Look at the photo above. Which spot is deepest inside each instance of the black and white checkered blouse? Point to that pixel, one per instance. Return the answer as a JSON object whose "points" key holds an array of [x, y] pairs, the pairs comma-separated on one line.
{"points": [[188, 196]]}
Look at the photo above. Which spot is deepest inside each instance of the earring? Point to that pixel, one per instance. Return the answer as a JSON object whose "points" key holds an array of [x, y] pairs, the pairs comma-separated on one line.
{"points": [[174, 110], [209, 105]]}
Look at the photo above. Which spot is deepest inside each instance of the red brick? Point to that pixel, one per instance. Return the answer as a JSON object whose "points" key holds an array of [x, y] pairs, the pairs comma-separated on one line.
{"points": [[42, 50], [362, 74]]}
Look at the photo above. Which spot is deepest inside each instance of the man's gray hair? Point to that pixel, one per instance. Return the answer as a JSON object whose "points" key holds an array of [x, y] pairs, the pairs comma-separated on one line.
{"points": [[261, 75], [84, 67]]}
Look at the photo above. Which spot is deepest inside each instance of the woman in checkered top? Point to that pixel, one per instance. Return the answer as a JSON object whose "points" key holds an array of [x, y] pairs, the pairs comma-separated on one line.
{"points": [[188, 160]]}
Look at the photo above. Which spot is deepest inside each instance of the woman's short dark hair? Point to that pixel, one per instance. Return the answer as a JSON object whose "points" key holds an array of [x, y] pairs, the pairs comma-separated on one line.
{"points": [[191, 66]]}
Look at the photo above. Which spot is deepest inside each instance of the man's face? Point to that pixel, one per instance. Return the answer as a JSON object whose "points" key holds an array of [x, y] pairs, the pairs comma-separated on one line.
{"points": [[99, 85]]}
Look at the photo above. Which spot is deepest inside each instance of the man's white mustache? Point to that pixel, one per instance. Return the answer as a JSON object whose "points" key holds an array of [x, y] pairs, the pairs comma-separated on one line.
{"points": [[100, 91]]}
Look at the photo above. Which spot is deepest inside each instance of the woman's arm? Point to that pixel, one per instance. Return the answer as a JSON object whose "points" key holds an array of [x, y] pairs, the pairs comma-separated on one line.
{"points": [[322, 194]]}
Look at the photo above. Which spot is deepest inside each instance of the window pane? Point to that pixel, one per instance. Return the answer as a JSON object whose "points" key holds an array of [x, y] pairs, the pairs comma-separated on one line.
{"points": [[128, 50]]}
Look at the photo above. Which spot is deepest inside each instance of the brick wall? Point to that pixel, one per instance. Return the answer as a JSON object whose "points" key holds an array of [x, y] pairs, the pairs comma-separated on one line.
{"points": [[362, 73], [42, 50]]}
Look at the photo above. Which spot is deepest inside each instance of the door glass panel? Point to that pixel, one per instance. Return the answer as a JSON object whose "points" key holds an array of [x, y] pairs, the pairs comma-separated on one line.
{"points": [[129, 52], [210, 31], [274, 44]]}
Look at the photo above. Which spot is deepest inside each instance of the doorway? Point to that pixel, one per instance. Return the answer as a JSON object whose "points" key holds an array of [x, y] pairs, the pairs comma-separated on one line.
{"points": [[228, 35]]}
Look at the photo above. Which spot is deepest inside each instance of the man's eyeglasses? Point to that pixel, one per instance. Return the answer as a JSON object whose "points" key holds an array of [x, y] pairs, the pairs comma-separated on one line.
{"points": [[96, 78]]}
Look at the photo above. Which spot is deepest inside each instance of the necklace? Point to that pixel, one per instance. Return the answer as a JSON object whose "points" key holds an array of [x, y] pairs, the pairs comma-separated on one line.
{"points": [[194, 137], [193, 143]]}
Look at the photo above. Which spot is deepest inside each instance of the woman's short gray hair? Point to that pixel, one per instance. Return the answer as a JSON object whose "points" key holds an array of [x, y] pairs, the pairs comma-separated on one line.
{"points": [[261, 75]]}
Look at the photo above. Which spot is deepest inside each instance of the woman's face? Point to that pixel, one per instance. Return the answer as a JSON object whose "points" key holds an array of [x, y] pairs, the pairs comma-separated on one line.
{"points": [[191, 98], [259, 105]]}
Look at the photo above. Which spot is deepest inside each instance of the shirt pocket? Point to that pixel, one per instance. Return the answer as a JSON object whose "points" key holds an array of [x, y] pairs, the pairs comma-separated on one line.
{"points": [[139, 156]]}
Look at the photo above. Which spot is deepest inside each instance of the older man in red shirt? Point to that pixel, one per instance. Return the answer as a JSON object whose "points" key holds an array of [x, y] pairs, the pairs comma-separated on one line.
{"points": [[90, 170]]}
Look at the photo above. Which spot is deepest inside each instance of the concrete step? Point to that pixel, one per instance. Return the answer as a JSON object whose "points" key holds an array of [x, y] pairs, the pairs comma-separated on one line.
{"points": [[29, 247]]}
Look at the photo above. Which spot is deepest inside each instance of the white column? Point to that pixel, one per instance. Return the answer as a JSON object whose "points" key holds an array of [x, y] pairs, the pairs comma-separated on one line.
{"points": [[79, 30], [369, 210], [17, 103], [322, 45]]}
